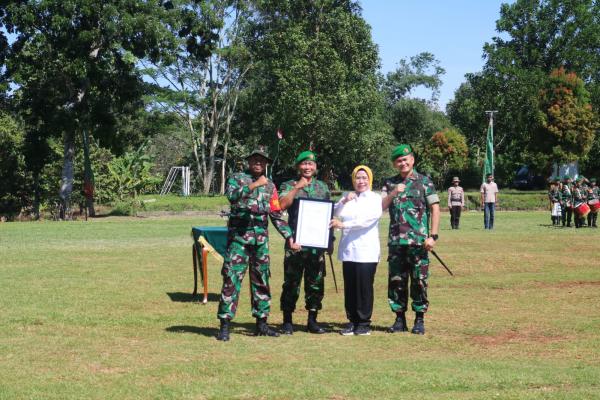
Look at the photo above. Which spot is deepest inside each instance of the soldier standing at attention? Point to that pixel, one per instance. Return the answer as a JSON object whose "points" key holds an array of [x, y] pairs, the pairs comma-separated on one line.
{"points": [[412, 201], [593, 198], [554, 198], [578, 199], [253, 197], [456, 201], [566, 204], [310, 262], [489, 201]]}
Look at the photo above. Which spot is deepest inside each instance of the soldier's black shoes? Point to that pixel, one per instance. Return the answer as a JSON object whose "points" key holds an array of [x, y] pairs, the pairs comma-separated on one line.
{"points": [[419, 326], [287, 328], [400, 324], [348, 330], [362, 330], [223, 334], [312, 326], [262, 329]]}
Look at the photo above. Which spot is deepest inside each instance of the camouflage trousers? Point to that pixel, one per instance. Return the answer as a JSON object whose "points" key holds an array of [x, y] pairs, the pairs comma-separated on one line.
{"points": [[408, 263], [239, 256], [312, 265]]}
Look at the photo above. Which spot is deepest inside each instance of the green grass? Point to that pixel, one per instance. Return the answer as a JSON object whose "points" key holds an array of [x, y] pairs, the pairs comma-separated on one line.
{"points": [[101, 309]]}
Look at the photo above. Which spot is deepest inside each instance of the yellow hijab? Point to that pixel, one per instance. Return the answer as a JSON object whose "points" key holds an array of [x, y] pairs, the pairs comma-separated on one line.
{"points": [[367, 170]]}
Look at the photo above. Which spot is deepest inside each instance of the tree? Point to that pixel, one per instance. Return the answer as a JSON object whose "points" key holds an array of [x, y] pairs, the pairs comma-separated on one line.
{"points": [[446, 150], [414, 119], [537, 37], [73, 62], [314, 77], [12, 166], [566, 122], [200, 83]]}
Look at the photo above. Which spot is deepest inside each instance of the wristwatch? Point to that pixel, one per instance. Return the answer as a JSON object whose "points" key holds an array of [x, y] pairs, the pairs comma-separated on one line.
{"points": [[435, 237]]}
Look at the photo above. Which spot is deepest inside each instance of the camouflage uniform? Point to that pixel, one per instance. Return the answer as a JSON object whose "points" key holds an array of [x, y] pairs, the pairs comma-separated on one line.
{"points": [[593, 196], [311, 262], [578, 199], [409, 227], [566, 204], [248, 244], [554, 197]]}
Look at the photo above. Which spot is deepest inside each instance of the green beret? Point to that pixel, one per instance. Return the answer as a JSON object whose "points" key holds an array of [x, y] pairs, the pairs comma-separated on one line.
{"points": [[580, 178], [306, 155], [593, 180], [566, 177], [401, 150]]}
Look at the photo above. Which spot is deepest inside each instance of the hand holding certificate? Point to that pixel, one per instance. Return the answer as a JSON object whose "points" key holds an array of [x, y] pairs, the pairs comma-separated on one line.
{"points": [[312, 229]]}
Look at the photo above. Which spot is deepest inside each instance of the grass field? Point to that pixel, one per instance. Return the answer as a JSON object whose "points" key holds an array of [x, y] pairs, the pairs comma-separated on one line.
{"points": [[102, 310]]}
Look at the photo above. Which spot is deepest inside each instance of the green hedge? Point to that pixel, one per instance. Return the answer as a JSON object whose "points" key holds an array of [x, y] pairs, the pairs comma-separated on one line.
{"points": [[510, 200]]}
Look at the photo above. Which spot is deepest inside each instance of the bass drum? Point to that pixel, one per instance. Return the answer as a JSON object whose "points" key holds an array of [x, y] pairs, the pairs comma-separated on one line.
{"points": [[582, 210], [594, 205]]}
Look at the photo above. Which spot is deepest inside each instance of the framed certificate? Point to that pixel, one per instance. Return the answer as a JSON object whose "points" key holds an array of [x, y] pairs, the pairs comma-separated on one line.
{"points": [[312, 228]]}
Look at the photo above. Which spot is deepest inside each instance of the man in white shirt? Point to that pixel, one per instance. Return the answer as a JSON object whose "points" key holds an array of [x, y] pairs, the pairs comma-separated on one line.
{"points": [[489, 200]]}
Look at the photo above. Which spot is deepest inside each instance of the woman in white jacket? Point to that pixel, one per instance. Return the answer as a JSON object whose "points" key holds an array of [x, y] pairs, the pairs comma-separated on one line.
{"points": [[358, 214]]}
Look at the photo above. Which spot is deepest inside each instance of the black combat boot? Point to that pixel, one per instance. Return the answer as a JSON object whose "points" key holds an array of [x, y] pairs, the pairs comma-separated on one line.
{"points": [[419, 326], [223, 334], [287, 328], [400, 323], [311, 325], [594, 220], [262, 329]]}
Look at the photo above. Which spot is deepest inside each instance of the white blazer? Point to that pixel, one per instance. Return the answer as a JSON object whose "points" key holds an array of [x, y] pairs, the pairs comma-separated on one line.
{"points": [[360, 235]]}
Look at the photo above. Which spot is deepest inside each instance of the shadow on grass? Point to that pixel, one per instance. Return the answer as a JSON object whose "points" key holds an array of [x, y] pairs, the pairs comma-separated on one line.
{"points": [[336, 326], [182, 297], [247, 329]]}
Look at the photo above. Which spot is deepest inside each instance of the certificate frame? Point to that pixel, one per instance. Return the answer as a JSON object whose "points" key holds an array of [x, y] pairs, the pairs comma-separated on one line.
{"points": [[312, 225]]}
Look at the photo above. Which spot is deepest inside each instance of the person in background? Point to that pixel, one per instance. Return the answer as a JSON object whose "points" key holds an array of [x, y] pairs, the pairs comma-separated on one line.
{"points": [[593, 199], [456, 202], [554, 198], [358, 214], [489, 201], [566, 201]]}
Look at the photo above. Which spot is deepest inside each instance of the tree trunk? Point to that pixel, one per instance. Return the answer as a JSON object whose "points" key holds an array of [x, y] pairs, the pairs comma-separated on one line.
{"points": [[36, 195], [223, 168], [66, 186], [88, 177]]}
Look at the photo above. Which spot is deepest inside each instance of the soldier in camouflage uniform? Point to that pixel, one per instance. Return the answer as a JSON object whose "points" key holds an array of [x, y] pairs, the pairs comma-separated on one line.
{"points": [[566, 203], [554, 198], [253, 197], [413, 202], [578, 199], [310, 262], [593, 198]]}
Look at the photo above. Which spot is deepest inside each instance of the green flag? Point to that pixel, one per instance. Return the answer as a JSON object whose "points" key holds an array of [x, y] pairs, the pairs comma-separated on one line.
{"points": [[488, 163]]}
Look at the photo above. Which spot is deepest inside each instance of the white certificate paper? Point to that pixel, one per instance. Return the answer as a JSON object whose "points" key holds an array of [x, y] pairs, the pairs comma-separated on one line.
{"points": [[312, 229]]}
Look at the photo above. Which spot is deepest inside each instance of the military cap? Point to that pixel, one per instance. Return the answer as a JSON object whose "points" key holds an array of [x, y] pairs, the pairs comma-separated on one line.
{"points": [[580, 178], [566, 177], [593, 180], [306, 155], [401, 150], [455, 179], [260, 151]]}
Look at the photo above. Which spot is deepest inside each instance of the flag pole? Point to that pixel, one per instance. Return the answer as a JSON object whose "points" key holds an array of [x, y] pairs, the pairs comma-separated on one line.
{"points": [[488, 164]]}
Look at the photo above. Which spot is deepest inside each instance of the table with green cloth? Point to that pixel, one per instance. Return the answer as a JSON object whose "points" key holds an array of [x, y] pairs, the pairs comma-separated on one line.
{"points": [[207, 239]]}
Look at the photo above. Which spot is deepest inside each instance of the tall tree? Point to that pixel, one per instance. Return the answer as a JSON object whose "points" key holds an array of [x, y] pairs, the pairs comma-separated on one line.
{"points": [[412, 118], [315, 78], [566, 122], [200, 82], [74, 64], [446, 150]]}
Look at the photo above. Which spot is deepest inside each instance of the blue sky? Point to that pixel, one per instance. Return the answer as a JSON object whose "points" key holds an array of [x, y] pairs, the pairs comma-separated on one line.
{"points": [[454, 31]]}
